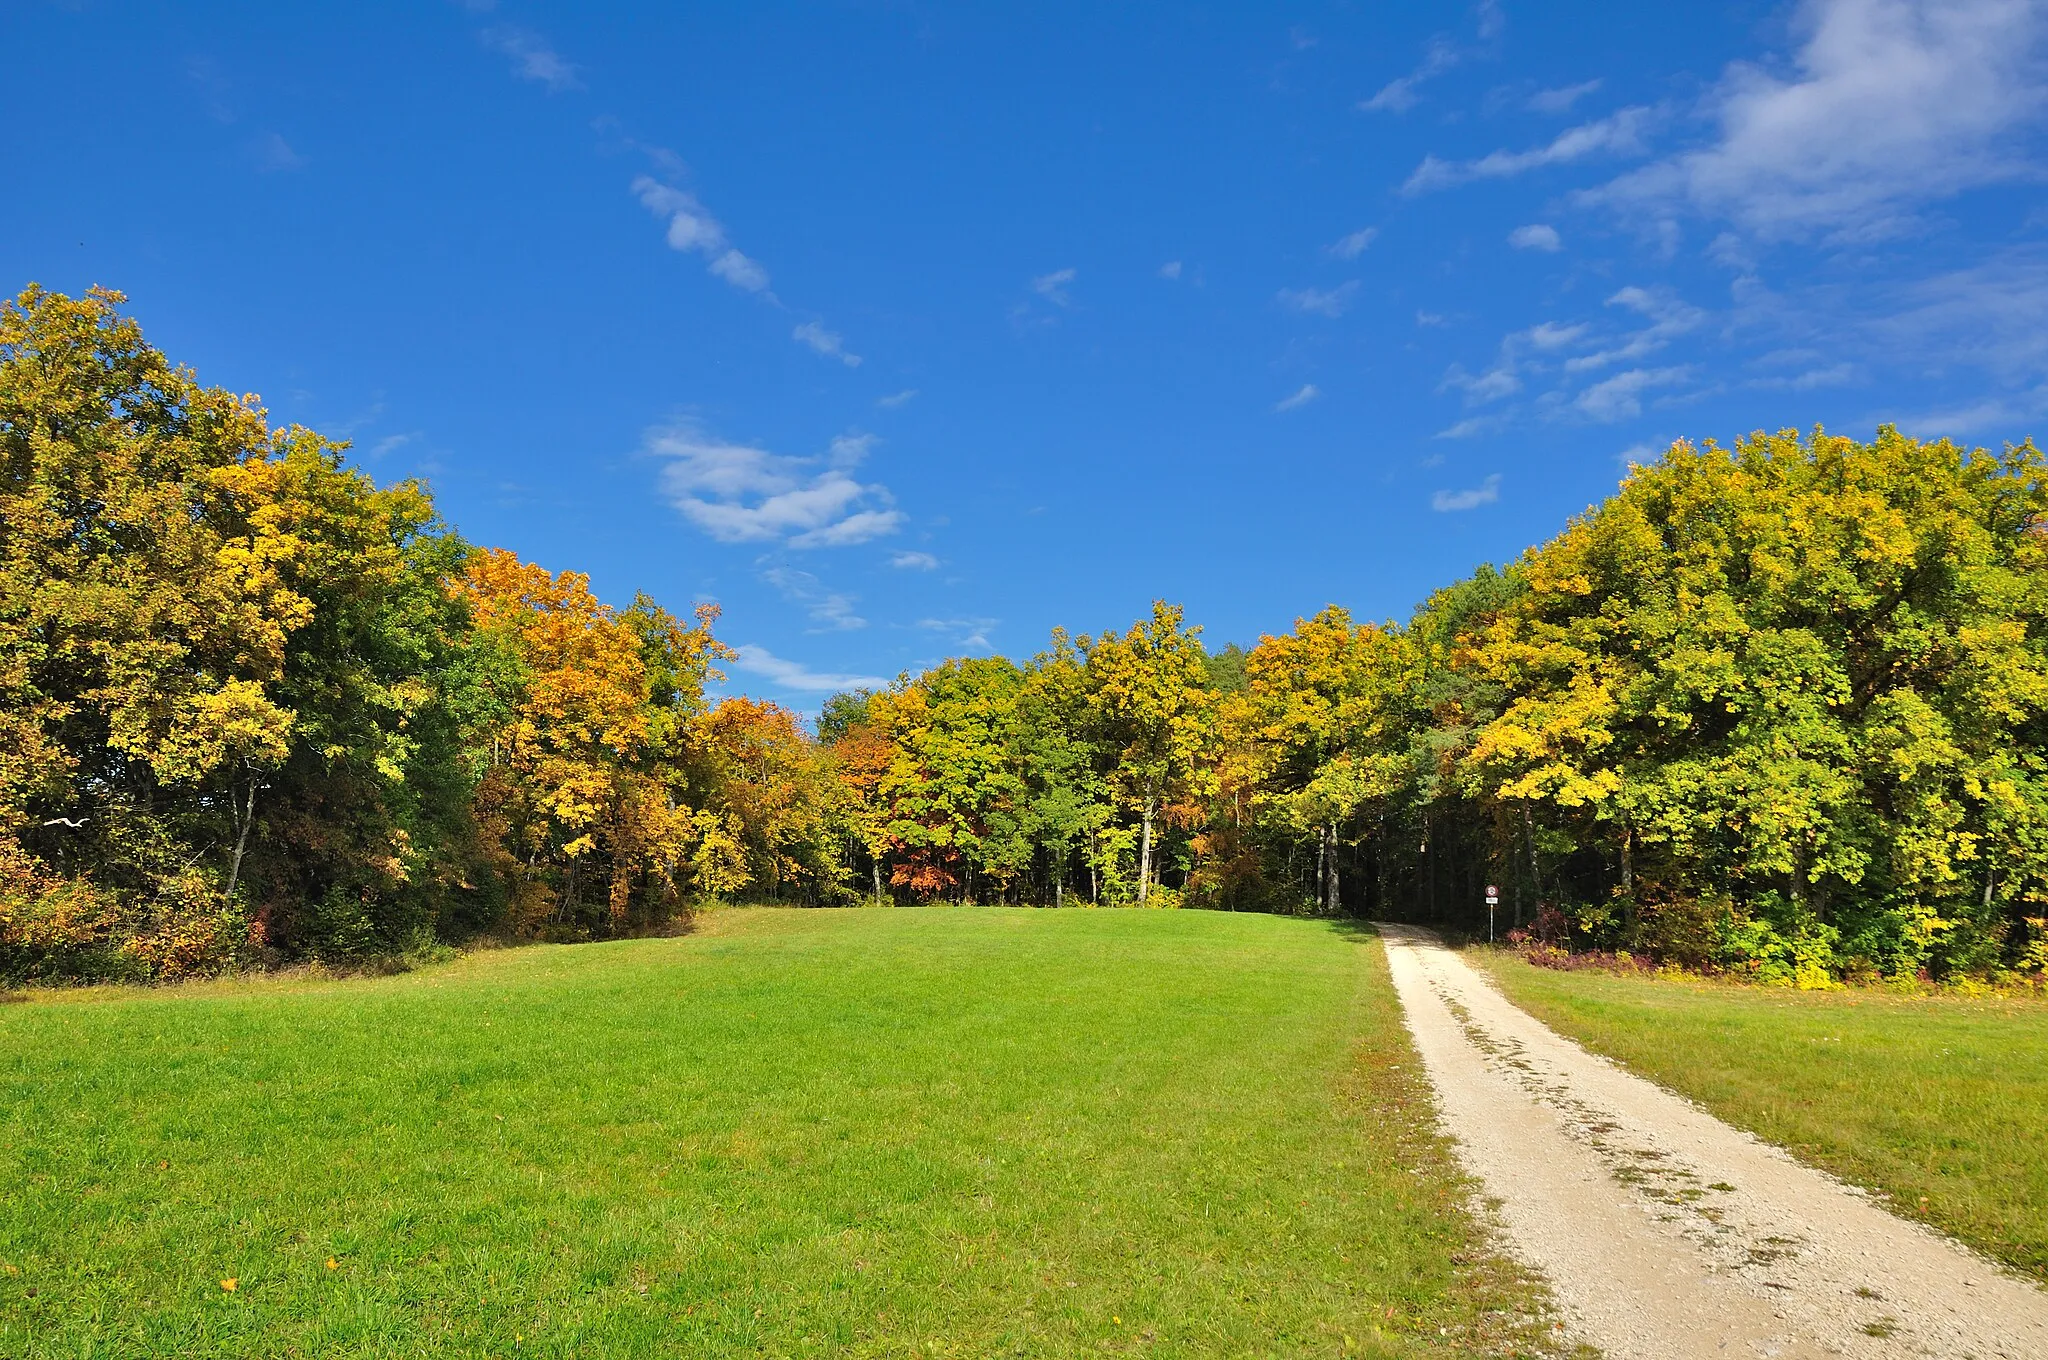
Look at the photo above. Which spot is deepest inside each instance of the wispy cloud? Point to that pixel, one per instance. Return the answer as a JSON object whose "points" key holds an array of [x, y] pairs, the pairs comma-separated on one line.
{"points": [[1399, 95], [1352, 246], [1471, 498], [1536, 236], [273, 153], [391, 443], [914, 561], [1560, 100], [1668, 318], [1307, 393], [1890, 105], [896, 399], [1320, 301], [1619, 134], [1469, 427], [968, 633], [1811, 379], [1620, 397], [827, 343], [758, 660], [832, 609], [532, 58], [2003, 414], [692, 229], [1440, 55], [1170, 270], [1053, 287], [1481, 388], [738, 493], [1555, 357]]}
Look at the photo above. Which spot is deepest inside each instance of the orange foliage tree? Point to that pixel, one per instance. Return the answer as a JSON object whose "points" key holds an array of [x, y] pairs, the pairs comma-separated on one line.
{"points": [[580, 733]]}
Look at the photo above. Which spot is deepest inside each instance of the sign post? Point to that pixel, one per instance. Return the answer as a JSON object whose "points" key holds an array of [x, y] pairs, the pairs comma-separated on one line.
{"points": [[1492, 902]]}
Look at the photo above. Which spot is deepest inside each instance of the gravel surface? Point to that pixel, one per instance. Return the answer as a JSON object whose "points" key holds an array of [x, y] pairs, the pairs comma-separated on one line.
{"points": [[1665, 1232]]}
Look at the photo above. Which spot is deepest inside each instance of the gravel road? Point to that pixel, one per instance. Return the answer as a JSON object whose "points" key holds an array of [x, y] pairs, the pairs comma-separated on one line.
{"points": [[1665, 1232]]}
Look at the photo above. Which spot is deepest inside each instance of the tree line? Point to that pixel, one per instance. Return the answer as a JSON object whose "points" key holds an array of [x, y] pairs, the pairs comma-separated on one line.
{"points": [[1775, 709]]}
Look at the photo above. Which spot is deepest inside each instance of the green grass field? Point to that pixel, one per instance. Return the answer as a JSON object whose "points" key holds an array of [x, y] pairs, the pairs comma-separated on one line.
{"points": [[941, 1132], [1934, 1097]]}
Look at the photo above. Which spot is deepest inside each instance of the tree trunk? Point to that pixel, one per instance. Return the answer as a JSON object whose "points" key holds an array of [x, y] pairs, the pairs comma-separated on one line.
{"points": [[244, 819], [1322, 866], [1429, 863], [1145, 844], [1535, 870], [1331, 883], [876, 864]]}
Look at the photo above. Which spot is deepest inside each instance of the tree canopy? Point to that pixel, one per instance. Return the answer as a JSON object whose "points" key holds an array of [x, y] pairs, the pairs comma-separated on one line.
{"points": [[1779, 708]]}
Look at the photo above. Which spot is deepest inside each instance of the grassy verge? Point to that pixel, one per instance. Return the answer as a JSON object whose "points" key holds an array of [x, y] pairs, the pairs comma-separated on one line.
{"points": [[1938, 1103], [863, 1132]]}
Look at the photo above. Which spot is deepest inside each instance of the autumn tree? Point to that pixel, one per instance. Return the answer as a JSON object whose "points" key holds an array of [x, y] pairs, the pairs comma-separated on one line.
{"points": [[1329, 710], [580, 756], [1150, 706]]}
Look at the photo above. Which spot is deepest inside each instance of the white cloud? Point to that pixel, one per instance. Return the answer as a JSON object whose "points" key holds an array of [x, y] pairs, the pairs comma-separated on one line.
{"points": [[857, 528], [828, 343], [896, 399], [1320, 301], [758, 660], [738, 494], [1479, 389], [532, 58], [391, 443], [1832, 375], [914, 561], [831, 608], [1398, 95], [967, 633], [1486, 493], [692, 229], [1620, 397], [274, 153], [1423, 318], [1999, 414], [1352, 246], [1468, 427], [1170, 270], [1890, 104], [1308, 393], [1988, 314], [1619, 134], [850, 450], [1668, 318], [1561, 100], [739, 271], [1053, 287], [1550, 336], [1536, 236]]}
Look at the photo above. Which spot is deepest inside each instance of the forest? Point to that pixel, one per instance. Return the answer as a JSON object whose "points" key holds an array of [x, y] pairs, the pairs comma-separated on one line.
{"points": [[1774, 709]]}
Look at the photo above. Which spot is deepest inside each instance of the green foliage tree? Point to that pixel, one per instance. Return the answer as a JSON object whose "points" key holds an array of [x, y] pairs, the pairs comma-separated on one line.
{"points": [[1150, 706], [1780, 708]]}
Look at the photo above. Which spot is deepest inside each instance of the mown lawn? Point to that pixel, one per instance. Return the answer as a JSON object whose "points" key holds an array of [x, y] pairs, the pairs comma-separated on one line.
{"points": [[1939, 1103], [942, 1132]]}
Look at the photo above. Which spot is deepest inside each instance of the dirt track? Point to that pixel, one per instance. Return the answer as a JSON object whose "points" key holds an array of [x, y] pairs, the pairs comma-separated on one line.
{"points": [[1666, 1233]]}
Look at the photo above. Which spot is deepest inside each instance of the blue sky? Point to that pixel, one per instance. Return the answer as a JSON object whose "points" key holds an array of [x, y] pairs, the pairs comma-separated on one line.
{"points": [[906, 331]]}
